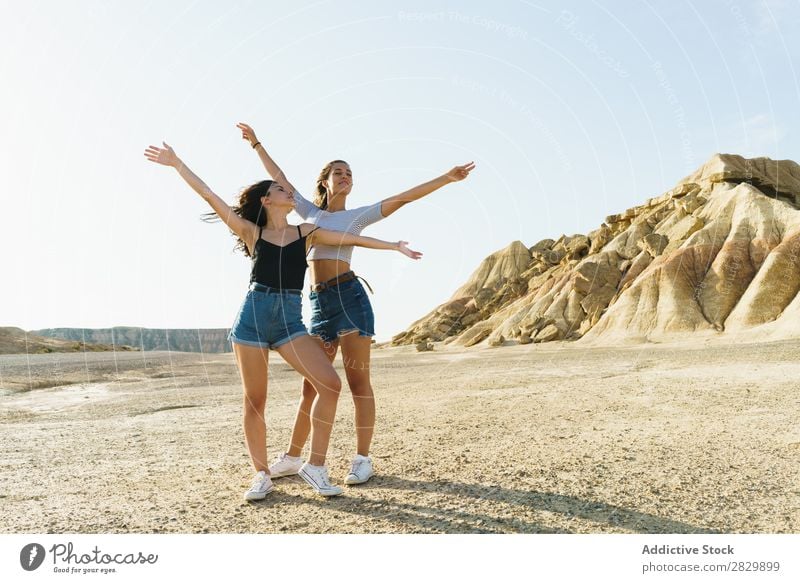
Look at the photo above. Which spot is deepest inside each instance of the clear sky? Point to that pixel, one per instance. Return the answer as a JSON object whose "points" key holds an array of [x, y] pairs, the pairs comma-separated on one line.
{"points": [[571, 110]]}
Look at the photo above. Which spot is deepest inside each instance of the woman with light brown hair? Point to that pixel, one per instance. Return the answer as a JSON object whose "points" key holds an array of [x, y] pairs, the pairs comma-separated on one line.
{"points": [[341, 311]]}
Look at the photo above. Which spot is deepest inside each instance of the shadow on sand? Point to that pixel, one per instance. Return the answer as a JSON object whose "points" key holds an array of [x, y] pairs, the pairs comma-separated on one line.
{"points": [[453, 511]]}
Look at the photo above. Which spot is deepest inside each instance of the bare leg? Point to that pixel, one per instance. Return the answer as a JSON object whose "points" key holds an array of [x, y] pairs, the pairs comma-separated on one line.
{"points": [[302, 422], [306, 356], [356, 357], [252, 363]]}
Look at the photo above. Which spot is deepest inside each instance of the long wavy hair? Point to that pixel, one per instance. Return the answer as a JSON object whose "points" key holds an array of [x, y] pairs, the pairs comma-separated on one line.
{"points": [[321, 197], [248, 207]]}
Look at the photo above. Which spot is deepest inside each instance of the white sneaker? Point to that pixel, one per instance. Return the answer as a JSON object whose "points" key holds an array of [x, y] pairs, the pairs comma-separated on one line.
{"points": [[261, 486], [285, 465], [317, 478], [360, 471]]}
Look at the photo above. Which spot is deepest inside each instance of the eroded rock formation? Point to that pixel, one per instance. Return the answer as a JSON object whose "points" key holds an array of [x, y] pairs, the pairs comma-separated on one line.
{"points": [[719, 253], [18, 341], [181, 340]]}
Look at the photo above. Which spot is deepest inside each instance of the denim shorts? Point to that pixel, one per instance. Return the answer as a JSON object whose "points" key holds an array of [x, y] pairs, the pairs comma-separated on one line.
{"points": [[268, 318], [340, 309]]}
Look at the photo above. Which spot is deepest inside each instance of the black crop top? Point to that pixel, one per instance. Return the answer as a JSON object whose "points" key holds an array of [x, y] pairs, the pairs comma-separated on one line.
{"points": [[280, 267]]}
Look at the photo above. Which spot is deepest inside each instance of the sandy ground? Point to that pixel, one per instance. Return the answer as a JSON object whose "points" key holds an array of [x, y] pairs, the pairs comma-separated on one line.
{"points": [[538, 439]]}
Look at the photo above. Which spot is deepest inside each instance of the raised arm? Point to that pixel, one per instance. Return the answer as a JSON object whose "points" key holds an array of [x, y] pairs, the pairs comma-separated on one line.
{"points": [[269, 164], [166, 156], [393, 203], [339, 238], [303, 207]]}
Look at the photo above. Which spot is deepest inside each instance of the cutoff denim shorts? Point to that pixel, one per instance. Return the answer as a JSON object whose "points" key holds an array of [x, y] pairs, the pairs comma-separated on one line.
{"points": [[269, 317], [341, 309]]}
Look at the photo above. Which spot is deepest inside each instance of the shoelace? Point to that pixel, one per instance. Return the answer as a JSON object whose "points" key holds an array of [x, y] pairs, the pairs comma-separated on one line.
{"points": [[259, 482], [356, 465], [285, 459], [323, 478], [325, 481]]}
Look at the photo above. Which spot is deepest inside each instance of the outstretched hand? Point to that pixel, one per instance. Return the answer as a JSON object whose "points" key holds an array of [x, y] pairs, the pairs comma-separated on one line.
{"points": [[165, 155], [247, 133], [460, 172], [402, 246]]}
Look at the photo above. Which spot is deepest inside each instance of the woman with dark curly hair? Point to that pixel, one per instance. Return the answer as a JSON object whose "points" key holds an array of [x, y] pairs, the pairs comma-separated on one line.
{"points": [[270, 316]]}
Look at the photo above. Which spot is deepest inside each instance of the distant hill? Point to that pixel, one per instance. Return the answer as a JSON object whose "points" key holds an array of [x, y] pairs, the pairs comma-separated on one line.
{"points": [[179, 340], [18, 341], [716, 255]]}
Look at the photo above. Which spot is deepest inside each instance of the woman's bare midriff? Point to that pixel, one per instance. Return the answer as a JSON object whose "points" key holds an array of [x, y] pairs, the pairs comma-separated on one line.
{"points": [[325, 269]]}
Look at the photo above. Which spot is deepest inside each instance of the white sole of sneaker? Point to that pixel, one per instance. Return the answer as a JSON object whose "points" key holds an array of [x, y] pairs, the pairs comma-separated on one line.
{"points": [[355, 481], [259, 496], [282, 474], [326, 493]]}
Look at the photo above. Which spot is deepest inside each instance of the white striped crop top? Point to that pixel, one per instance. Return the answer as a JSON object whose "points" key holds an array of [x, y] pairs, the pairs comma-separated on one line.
{"points": [[349, 220]]}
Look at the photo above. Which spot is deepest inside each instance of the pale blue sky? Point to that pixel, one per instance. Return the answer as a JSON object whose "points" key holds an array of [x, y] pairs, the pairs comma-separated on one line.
{"points": [[572, 111]]}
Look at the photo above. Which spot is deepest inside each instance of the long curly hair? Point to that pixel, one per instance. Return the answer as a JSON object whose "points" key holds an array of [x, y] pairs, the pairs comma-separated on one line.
{"points": [[321, 197], [248, 207]]}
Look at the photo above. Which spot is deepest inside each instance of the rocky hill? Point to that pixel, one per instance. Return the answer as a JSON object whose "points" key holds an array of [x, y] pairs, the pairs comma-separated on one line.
{"points": [[719, 254], [180, 340], [17, 341]]}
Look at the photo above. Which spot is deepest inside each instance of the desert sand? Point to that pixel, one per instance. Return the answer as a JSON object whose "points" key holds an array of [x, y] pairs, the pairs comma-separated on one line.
{"points": [[541, 438]]}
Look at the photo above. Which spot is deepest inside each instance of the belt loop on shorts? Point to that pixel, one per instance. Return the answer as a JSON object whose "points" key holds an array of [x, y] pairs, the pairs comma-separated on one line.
{"points": [[260, 287]]}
